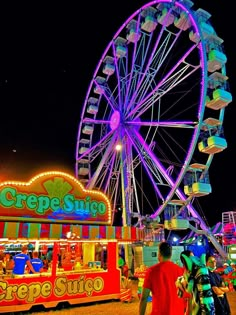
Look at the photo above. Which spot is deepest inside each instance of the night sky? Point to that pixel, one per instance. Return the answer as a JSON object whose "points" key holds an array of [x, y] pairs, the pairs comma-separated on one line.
{"points": [[48, 55]]}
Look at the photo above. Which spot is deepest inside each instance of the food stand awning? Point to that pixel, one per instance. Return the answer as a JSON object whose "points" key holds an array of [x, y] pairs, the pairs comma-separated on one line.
{"points": [[16, 230]]}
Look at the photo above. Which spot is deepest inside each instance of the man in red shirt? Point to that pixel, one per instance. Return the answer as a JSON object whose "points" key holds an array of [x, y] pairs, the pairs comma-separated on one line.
{"points": [[160, 281]]}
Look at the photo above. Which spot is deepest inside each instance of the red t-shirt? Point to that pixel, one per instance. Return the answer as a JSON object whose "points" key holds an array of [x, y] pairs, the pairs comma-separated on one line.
{"points": [[160, 279]]}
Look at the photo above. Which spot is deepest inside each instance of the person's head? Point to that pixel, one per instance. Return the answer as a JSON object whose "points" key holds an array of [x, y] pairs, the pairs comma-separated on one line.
{"points": [[8, 256], [210, 262], [35, 254], [165, 251], [24, 249]]}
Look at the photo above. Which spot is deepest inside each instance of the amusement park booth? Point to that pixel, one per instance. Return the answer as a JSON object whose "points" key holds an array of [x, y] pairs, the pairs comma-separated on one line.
{"points": [[54, 214]]}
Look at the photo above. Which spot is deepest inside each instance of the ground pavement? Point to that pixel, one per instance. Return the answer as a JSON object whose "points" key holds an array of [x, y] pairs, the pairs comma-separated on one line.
{"points": [[112, 308]]}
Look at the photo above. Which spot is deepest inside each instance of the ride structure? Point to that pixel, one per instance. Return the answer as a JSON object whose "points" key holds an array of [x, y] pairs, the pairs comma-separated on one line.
{"points": [[152, 119]]}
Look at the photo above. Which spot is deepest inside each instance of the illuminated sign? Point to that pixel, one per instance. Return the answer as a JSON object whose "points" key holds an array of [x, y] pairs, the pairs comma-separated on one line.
{"points": [[29, 292], [54, 197]]}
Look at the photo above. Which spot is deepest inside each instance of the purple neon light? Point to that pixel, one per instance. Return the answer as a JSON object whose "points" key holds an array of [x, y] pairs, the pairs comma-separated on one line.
{"points": [[132, 112]]}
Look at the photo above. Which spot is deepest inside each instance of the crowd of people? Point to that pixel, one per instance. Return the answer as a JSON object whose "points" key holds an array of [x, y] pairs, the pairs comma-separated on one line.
{"points": [[194, 288], [21, 263]]}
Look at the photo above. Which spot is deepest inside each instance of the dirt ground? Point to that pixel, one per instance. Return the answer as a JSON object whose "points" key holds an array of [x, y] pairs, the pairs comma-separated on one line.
{"points": [[112, 307]]}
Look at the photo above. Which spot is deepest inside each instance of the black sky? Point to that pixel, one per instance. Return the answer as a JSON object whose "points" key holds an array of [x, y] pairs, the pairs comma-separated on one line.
{"points": [[47, 58]]}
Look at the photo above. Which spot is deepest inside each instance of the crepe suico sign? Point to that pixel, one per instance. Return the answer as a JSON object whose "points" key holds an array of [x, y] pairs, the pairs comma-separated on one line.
{"points": [[54, 197]]}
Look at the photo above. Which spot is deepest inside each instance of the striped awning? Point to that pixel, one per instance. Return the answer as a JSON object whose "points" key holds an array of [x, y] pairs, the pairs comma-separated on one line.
{"points": [[17, 230]]}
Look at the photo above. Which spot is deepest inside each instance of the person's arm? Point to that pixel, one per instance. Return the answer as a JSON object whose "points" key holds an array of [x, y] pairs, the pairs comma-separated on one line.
{"points": [[143, 301], [41, 269], [220, 289], [217, 290], [30, 266], [224, 288], [12, 264]]}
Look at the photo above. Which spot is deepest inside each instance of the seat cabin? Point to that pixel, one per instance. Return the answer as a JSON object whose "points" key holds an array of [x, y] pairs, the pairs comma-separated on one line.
{"points": [[202, 15], [213, 41], [166, 17], [92, 106], [87, 129], [206, 28], [212, 137], [220, 99], [176, 215], [83, 161], [83, 171], [109, 67], [99, 85], [120, 47], [217, 80], [83, 150], [150, 20], [133, 33], [216, 60], [188, 3], [196, 181], [84, 146], [183, 21]]}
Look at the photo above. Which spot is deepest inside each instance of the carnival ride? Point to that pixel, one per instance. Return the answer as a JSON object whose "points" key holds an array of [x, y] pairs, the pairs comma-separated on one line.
{"points": [[152, 119]]}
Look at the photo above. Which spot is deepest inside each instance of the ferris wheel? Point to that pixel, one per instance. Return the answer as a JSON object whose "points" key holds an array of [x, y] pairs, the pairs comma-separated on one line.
{"points": [[152, 119]]}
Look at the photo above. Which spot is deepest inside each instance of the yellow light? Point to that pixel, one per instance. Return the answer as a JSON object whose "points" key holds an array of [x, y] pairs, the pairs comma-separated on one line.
{"points": [[118, 147]]}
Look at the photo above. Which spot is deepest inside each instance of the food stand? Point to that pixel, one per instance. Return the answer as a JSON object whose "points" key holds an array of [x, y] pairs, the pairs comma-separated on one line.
{"points": [[53, 210]]}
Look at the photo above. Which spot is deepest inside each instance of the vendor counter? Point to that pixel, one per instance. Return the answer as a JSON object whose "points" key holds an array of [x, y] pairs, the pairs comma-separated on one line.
{"points": [[59, 272]]}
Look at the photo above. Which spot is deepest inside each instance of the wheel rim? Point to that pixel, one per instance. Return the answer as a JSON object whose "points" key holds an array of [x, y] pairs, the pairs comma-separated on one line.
{"points": [[148, 95]]}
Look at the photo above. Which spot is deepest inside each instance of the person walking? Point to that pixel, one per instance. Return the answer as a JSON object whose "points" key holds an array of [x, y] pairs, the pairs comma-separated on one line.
{"points": [[219, 289], [160, 281], [20, 261], [182, 284]]}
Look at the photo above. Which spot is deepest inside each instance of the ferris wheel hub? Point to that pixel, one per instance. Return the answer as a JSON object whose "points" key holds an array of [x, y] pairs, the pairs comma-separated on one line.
{"points": [[115, 120]]}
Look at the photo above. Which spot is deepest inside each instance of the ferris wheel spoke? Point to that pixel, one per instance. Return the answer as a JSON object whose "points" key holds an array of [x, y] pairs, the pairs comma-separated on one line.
{"points": [[145, 164], [153, 98], [96, 121], [104, 181], [161, 174], [133, 65], [117, 74], [104, 159], [103, 89], [96, 148], [112, 171], [151, 156], [167, 124], [155, 61], [168, 78]]}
